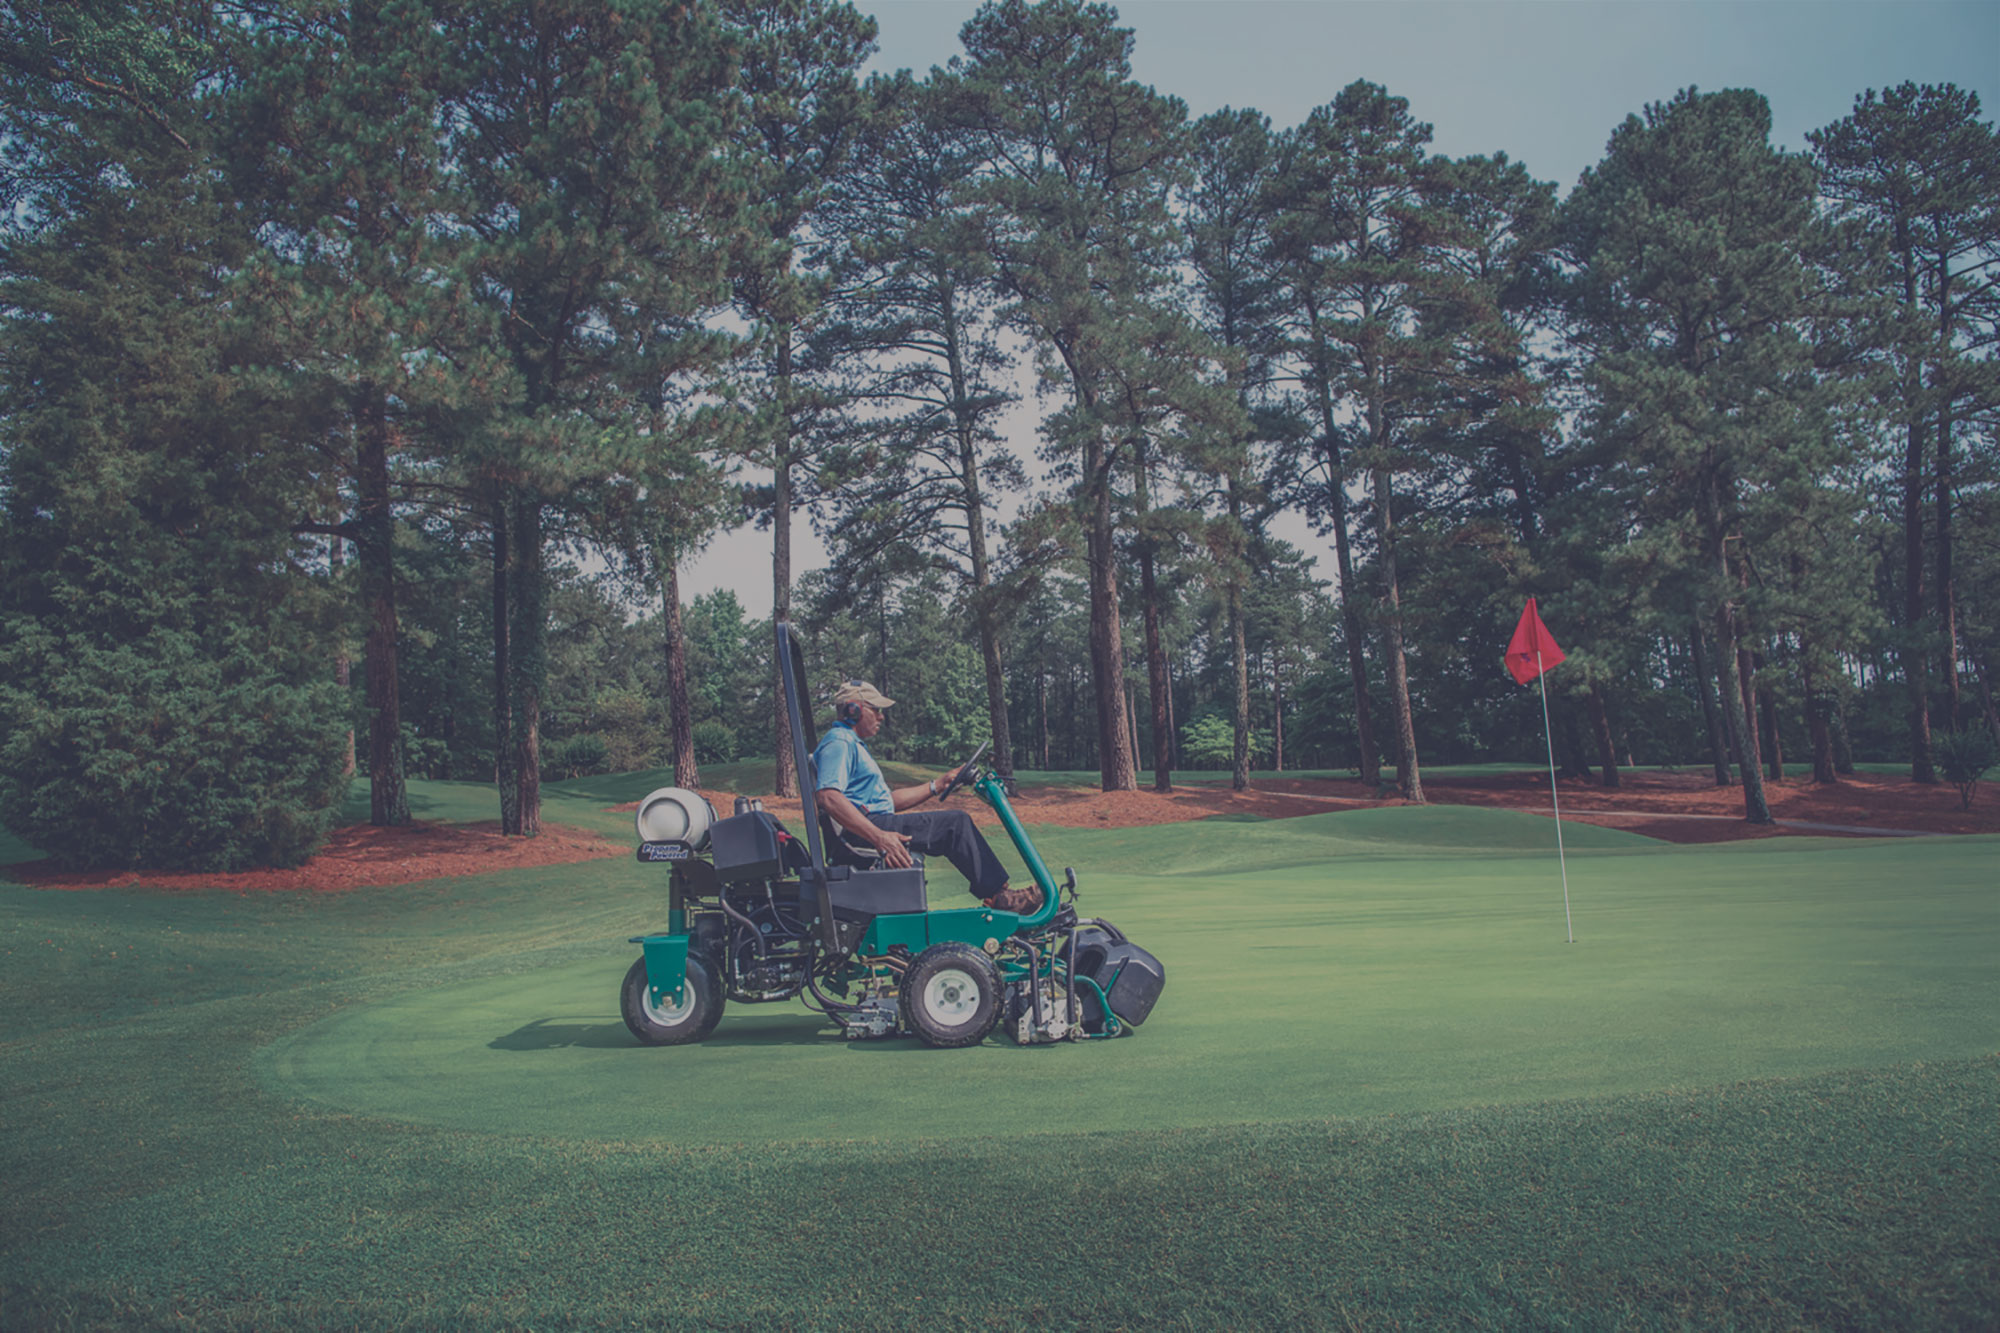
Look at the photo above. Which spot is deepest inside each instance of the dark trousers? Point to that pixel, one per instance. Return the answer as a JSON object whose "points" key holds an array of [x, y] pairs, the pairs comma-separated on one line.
{"points": [[952, 835]]}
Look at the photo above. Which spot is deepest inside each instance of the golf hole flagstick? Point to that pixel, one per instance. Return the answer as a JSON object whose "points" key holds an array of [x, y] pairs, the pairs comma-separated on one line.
{"points": [[1530, 654]]}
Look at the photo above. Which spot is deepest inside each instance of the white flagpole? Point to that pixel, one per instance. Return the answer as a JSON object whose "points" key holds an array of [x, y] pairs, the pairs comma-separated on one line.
{"points": [[1548, 739]]}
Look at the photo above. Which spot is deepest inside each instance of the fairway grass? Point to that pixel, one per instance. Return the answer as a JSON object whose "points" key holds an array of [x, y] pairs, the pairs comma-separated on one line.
{"points": [[1381, 1090]]}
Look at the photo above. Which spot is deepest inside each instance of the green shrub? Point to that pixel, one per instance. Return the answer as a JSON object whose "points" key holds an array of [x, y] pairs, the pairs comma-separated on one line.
{"points": [[425, 756], [575, 757], [173, 749], [1209, 741], [1963, 756], [714, 743]]}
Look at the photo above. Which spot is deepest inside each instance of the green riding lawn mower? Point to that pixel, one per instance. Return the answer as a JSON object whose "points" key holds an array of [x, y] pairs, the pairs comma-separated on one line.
{"points": [[757, 914]]}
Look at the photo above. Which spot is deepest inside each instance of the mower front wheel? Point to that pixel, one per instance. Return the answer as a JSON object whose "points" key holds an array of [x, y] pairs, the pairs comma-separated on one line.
{"points": [[670, 1022], [951, 995]]}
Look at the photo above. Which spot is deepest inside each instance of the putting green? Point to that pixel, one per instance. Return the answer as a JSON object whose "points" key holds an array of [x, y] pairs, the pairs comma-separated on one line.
{"points": [[1411, 960]]}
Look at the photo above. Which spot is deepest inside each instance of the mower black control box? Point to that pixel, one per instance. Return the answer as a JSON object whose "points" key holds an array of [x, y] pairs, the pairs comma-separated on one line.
{"points": [[1137, 985], [745, 847]]}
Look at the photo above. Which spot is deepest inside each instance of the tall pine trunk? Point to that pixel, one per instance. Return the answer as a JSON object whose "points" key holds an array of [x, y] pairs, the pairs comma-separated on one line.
{"points": [[1277, 712], [1156, 652], [374, 526], [1600, 726], [1704, 686], [530, 655], [1733, 681], [1107, 649], [1915, 675], [1774, 741], [503, 664], [1409, 778], [1575, 759], [1947, 600], [965, 417], [1819, 710], [1239, 766], [1158, 691], [680, 721], [1042, 691], [1239, 772], [1730, 687], [1343, 559], [342, 665]]}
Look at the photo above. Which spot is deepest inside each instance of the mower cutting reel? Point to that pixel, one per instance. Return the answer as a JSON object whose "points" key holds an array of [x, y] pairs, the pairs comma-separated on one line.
{"points": [[756, 914]]}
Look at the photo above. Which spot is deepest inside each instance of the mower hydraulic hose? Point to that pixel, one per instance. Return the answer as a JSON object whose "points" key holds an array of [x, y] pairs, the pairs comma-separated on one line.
{"points": [[828, 1006], [756, 935]]}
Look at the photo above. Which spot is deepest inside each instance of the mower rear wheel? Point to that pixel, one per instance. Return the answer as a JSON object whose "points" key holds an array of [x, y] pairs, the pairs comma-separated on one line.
{"points": [[670, 1022], [951, 995]]}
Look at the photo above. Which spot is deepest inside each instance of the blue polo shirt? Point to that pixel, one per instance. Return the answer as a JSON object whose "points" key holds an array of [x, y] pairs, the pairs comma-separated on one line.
{"points": [[845, 765]]}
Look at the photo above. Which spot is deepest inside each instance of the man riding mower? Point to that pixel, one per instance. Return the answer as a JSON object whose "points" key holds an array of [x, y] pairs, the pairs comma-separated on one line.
{"points": [[756, 914], [853, 794]]}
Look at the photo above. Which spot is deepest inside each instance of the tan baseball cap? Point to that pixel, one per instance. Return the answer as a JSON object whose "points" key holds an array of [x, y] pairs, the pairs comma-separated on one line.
{"points": [[860, 692]]}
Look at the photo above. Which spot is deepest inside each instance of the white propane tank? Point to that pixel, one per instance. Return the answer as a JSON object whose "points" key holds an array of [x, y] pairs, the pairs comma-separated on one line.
{"points": [[675, 814]]}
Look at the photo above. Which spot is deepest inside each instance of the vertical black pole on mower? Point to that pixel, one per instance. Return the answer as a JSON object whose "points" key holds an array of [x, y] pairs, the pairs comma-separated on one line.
{"points": [[792, 672], [1069, 976], [792, 669]]}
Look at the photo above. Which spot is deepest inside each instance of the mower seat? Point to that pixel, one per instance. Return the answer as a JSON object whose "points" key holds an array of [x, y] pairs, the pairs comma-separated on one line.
{"points": [[840, 851]]}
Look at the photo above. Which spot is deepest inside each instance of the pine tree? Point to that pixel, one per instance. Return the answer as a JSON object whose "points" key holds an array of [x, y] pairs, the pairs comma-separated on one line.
{"points": [[335, 131], [1078, 159], [911, 323], [591, 143], [1227, 211], [163, 697], [802, 111], [1690, 295], [1919, 169], [1359, 220]]}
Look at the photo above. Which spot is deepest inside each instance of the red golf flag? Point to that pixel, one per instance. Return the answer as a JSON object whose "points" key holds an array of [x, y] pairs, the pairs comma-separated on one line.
{"points": [[1531, 640]]}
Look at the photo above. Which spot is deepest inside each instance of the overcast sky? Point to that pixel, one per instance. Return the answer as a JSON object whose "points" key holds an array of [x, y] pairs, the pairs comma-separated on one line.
{"points": [[1544, 81]]}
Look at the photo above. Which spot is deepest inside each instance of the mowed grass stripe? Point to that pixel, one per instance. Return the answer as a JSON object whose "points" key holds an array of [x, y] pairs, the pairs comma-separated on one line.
{"points": [[1412, 986], [1858, 1200], [157, 1176]]}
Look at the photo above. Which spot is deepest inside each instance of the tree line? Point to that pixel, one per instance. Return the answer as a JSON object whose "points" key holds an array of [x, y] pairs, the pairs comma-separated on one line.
{"points": [[431, 338]]}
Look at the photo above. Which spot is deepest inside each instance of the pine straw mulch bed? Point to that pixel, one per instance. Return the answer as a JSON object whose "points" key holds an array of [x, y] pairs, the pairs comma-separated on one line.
{"points": [[1682, 807], [360, 856]]}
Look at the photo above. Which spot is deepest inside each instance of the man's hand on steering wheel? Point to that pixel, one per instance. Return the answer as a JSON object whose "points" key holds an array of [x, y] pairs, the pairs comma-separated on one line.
{"points": [[964, 773]]}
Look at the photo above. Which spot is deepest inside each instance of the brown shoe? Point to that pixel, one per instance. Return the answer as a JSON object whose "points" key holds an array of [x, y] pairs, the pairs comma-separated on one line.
{"points": [[1021, 901]]}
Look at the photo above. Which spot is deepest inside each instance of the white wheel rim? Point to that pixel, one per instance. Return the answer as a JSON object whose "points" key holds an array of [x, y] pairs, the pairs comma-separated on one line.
{"points": [[669, 1014], [951, 996]]}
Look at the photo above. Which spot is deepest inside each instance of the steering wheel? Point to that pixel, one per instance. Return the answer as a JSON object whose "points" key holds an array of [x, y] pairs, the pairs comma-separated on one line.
{"points": [[963, 774]]}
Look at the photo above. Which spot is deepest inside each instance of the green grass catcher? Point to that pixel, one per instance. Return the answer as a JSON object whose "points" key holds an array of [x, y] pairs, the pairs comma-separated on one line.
{"points": [[757, 914]]}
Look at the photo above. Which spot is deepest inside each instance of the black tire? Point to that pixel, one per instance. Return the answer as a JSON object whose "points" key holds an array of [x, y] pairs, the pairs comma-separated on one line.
{"points": [[672, 1025], [951, 995]]}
